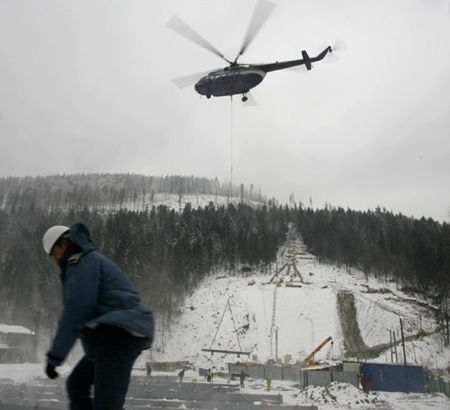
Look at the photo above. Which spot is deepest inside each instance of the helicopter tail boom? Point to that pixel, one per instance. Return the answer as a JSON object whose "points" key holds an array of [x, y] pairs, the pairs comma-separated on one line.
{"points": [[322, 54], [306, 60]]}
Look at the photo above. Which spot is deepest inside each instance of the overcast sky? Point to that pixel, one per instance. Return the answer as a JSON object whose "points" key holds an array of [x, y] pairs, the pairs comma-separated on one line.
{"points": [[85, 86]]}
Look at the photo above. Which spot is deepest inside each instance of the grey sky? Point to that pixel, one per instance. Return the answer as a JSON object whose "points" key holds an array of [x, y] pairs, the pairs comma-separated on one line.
{"points": [[85, 86]]}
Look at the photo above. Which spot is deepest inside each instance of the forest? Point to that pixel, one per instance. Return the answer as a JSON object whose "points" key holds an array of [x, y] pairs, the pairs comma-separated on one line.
{"points": [[414, 252], [167, 252], [109, 192]]}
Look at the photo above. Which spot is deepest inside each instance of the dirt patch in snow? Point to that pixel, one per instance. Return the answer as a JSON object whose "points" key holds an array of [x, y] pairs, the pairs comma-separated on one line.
{"points": [[353, 342]]}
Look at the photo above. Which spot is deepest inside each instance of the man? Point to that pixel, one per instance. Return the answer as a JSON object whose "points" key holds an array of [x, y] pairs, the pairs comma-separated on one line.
{"points": [[242, 379], [102, 308], [181, 374], [365, 383], [269, 381], [209, 375]]}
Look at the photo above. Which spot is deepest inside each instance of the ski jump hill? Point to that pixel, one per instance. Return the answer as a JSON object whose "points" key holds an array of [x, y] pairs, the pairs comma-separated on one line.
{"points": [[284, 314]]}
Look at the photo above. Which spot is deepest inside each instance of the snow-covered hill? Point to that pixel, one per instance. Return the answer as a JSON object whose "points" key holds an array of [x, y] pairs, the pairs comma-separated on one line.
{"points": [[302, 302], [177, 202]]}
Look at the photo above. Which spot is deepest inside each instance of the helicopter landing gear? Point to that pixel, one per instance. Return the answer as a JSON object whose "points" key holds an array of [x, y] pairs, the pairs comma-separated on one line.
{"points": [[244, 98], [208, 97]]}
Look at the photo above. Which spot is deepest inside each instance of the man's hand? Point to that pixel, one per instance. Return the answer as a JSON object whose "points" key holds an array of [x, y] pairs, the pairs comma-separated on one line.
{"points": [[51, 371]]}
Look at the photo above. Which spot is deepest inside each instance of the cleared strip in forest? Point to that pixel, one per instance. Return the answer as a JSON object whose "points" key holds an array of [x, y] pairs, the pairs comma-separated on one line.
{"points": [[353, 343]]}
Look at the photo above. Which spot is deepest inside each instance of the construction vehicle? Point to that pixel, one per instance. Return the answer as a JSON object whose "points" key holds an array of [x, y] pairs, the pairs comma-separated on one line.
{"points": [[309, 360]]}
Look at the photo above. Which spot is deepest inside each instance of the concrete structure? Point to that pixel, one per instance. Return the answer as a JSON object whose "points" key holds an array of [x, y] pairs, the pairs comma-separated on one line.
{"points": [[325, 377], [155, 392], [304, 377], [167, 366], [17, 344]]}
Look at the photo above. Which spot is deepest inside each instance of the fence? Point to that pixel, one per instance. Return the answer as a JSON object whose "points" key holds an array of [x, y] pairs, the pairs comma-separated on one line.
{"points": [[325, 377], [394, 377], [292, 373], [258, 371], [435, 385]]}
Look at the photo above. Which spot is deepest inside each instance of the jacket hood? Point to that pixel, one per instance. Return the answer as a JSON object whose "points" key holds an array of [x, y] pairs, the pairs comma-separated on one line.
{"points": [[79, 235]]}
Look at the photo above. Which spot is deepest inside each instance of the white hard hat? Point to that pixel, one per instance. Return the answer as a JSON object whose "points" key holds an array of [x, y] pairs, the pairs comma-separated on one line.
{"points": [[52, 235]]}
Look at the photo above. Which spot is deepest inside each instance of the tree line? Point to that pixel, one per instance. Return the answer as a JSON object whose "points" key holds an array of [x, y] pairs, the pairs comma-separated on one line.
{"points": [[414, 252], [110, 191]]}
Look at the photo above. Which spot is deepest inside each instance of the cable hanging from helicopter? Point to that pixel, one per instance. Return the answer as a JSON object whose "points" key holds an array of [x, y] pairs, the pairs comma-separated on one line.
{"points": [[237, 78]]}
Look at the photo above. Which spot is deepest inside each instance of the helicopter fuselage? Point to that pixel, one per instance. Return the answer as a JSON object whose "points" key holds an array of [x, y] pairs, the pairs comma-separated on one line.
{"points": [[230, 81], [240, 78], [236, 78]]}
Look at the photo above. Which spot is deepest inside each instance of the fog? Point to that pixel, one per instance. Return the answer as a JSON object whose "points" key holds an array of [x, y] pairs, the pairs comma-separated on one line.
{"points": [[86, 87]]}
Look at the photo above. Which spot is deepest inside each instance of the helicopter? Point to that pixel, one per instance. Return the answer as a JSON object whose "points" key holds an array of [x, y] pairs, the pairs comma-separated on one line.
{"points": [[236, 78]]}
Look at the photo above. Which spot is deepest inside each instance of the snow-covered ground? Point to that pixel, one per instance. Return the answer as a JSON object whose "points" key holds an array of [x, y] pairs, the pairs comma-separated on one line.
{"points": [[303, 311], [176, 202], [337, 396], [15, 329]]}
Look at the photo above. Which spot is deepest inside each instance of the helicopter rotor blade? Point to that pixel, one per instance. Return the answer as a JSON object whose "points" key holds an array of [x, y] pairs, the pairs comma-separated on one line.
{"points": [[331, 58], [263, 10], [336, 48], [339, 45], [183, 29], [186, 81]]}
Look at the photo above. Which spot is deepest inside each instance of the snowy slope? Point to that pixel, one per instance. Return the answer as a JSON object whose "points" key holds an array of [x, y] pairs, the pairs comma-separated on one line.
{"points": [[301, 304], [174, 201]]}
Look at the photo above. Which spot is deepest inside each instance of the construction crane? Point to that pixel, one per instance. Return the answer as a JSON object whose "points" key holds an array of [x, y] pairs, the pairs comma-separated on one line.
{"points": [[309, 360], [238, 352]]}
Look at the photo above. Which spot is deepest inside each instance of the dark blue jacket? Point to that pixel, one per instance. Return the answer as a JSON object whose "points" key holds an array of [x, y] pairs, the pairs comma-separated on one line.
{"points": [[95, 291]]}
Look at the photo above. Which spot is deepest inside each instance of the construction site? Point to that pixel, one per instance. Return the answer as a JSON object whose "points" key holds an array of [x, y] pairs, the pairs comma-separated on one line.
{"points": [[324, 362], [270, 340]]}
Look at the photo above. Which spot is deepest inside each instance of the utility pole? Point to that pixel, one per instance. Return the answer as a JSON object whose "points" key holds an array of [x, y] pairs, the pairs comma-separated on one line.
{"points": [[447, 336], [404, 356], [390, 345], [276, 344], [395, 347]]}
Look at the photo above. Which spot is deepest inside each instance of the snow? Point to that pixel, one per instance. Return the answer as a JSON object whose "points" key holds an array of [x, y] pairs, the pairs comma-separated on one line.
{"points": [[336, 396], [15, 329], [339, 396], [20, 373], [173, 201], [303, 316]]}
